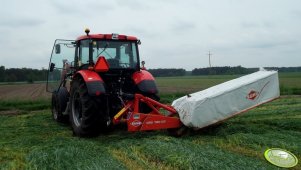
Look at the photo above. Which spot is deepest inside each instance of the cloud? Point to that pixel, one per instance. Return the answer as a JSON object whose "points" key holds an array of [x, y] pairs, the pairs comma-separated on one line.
{"points": [[182, 26], [21, 22], [296, 13], [82, 8], [173, 32], [133, 4], [271, 44], [257, 25]]}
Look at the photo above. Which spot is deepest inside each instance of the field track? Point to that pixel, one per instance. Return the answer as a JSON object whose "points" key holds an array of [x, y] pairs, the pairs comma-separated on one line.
{"points": [[23, 92]]}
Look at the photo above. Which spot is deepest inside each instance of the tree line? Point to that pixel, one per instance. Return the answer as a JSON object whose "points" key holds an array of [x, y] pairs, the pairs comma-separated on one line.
{"points": [[226, 70], [223, 70], [22, 74], [30, 75], [167, 72]]}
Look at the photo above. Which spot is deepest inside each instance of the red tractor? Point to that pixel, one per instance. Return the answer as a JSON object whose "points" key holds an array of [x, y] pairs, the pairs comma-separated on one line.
{"points": [[96, 82]]}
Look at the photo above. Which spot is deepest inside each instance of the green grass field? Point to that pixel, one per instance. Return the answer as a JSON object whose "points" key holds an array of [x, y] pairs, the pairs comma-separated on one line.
{"points": [[30, 139]]}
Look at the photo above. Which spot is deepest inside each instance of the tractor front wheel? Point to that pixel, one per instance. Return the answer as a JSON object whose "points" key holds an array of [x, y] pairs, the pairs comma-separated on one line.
{"points": [[87, 113], [58, 105]]}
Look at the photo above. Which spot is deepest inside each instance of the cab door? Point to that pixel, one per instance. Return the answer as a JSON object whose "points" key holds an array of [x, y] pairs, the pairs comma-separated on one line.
{"points": [[60, 64]]}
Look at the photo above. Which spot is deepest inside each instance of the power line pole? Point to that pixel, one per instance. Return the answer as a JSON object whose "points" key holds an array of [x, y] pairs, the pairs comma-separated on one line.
{"points": [[209, 55]]}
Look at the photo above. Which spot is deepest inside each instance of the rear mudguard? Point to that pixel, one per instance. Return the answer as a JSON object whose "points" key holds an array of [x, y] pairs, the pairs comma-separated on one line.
{"points": [[145, 82], [94, 82]]}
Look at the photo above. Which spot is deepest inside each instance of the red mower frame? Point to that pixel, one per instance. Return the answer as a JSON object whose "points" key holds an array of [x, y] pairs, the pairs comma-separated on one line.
{"points": [[151, 121]]}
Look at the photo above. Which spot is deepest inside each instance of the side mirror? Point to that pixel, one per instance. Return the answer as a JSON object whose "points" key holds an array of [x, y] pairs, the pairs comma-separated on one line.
{"points": [[51, 67], [143, 63], [57, 49], [138, 42]]}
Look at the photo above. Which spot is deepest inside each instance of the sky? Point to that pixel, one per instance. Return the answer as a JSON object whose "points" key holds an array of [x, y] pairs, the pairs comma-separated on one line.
{"points": [[174, 33]]}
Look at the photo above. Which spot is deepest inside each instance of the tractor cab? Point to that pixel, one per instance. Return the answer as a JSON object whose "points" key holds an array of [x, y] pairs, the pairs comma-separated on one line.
{"points": [[112, 56], [119, 54]]}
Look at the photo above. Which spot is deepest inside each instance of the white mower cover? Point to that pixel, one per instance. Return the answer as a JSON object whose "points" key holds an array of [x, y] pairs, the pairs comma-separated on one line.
{"points": [[228, 99]]}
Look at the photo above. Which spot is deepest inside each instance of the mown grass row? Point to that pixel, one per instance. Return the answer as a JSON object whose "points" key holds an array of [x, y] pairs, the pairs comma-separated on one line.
{"points": [[32, 140], [25, 105]]}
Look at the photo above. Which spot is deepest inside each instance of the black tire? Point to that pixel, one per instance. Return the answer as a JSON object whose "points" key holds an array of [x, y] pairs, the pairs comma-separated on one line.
{"points": [[58, 105], [87, 114], [177, 132]]}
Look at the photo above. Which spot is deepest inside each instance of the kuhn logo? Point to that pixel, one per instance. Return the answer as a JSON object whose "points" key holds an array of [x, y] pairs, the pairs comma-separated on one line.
{"points": [[255, 94], [252, 95], [136, 123]]}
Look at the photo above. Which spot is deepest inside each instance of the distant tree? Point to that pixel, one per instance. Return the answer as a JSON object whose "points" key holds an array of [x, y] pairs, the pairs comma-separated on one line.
{"points": [[11, 78], [2, 73], [30, 78]]}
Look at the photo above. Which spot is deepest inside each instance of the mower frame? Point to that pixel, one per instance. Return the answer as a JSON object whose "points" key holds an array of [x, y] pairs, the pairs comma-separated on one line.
{"points": [[153, 120]]}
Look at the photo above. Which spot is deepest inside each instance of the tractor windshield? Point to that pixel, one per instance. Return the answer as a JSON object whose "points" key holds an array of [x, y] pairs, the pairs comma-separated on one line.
{"points": [[119, 54], [62, 58]]}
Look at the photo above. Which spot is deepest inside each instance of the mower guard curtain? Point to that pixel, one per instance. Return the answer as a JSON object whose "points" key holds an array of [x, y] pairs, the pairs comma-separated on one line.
{"points": [[228, 99]]}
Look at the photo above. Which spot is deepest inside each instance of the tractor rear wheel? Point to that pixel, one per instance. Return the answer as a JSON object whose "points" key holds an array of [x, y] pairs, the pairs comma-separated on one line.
{"points": [[87, 113], [58, 105]]}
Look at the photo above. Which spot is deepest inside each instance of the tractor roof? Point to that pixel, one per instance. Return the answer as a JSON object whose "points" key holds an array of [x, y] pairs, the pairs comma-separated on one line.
{"points": [[107, 37]]}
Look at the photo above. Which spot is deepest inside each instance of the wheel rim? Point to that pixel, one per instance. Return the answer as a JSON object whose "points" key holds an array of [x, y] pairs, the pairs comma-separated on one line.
{"points": [[77, 109]]}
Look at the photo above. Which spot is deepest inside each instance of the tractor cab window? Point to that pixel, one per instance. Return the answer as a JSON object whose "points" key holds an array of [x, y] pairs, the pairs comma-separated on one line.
{"points": [[119, 54], [83, 52]]}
